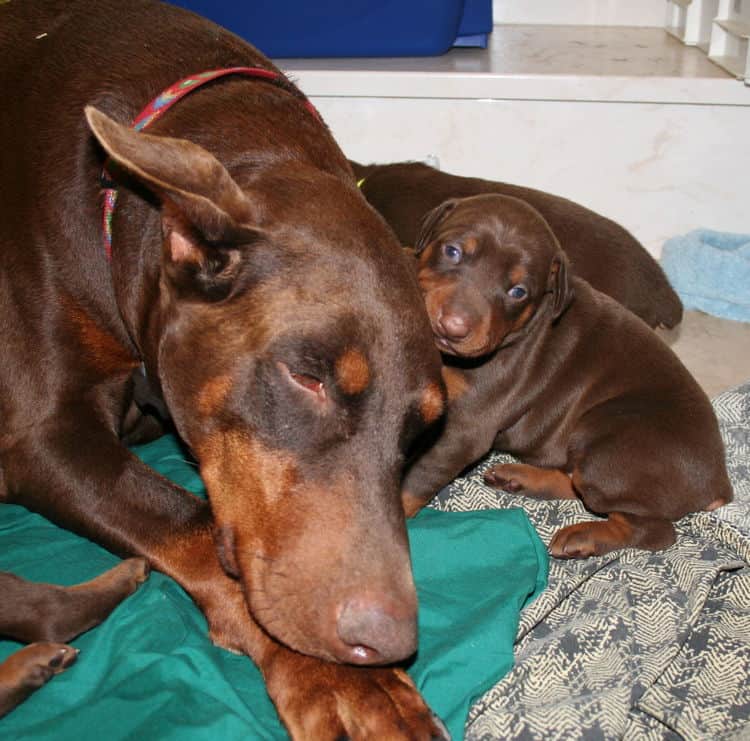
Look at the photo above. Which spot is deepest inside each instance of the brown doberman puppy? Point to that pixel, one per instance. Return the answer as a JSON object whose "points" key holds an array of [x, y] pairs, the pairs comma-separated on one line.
{"points": [[599, 250], [246, 276], [47, 616], [591, 401]]}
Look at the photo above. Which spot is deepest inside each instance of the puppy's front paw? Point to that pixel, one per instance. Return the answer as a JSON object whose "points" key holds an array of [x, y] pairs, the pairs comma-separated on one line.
{"points": [[504, 476], [540, 483]]}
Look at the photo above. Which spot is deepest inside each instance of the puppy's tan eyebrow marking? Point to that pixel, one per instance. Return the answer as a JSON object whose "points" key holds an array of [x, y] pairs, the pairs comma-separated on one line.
{"points": [[432, 403], [352, 371], [470, 245], [517, 275]]}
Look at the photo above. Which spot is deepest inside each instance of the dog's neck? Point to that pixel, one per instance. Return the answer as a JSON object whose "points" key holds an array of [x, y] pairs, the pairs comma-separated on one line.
{"points": [[131, 219], [164, 101]]}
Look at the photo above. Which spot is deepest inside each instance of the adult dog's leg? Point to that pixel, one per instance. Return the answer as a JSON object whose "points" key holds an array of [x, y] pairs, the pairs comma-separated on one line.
{"points": [[79, 475], [31, 611], [28, 669]]}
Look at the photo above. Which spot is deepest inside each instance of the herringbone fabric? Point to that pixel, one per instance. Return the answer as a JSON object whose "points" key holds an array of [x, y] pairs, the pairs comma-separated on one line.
{"points": [[633, 645]]}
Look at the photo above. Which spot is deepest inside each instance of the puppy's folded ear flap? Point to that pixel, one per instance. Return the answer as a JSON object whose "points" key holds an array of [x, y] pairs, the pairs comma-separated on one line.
{"points": [[205, 214], [430, 222], [560, 285]]}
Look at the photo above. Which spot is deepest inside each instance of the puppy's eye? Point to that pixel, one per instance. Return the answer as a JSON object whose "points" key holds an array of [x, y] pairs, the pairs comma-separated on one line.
{"points": [[517, 292], [453, 253], [304, 381]]}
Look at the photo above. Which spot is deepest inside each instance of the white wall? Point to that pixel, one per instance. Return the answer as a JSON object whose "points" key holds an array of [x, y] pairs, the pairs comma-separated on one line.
{"points": [[659, 170], [581, 12]]}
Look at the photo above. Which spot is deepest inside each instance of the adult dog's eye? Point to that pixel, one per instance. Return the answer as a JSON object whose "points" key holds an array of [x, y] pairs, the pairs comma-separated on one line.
{"points": [[309, 383], [453, 253], [304, 381], [517, 292]]}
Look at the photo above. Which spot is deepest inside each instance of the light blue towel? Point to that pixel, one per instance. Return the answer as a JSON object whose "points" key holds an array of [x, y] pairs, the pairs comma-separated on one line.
{"points": [[711, 272]]}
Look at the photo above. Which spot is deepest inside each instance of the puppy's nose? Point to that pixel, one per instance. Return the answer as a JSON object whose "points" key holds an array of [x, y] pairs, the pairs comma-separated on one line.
{"points": [[453, 326], [375, 634]]}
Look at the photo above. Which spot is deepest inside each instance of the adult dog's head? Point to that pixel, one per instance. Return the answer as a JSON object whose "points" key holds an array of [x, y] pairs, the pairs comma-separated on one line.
{"points": [[487, 265], [294, 354]]}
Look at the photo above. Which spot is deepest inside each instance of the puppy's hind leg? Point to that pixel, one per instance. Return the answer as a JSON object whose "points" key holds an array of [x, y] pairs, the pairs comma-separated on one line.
{"points": [[619, 530]]}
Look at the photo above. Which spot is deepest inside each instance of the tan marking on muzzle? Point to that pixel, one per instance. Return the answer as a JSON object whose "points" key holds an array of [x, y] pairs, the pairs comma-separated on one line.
{"points": [[352, 372], [431, 405], [244, 477], [428, 279], [424, 256], [523, 317], [214, 394], [455, 381]]}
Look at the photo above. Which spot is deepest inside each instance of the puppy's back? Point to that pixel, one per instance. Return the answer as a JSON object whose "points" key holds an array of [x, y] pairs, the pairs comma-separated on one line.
{"points": [[600, 250]]}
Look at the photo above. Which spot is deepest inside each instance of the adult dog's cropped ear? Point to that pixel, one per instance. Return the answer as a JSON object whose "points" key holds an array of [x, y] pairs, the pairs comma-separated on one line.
{"points": [[559, 284], [206, 216], [430, 223]]}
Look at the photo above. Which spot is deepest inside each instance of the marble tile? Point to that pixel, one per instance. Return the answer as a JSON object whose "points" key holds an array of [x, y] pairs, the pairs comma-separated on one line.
{"points": [[539, 62], [659, 170], [547, 50]]}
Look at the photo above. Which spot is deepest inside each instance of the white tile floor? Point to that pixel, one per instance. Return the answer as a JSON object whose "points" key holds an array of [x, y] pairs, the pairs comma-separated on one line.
{"points": [[716, 351]]}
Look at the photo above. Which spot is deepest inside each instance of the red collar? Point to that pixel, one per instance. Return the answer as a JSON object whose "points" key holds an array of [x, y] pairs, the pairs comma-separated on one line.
{"points": [[165, 100]]}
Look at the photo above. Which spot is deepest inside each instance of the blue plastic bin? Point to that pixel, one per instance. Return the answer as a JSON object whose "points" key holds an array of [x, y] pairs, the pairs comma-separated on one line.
{"points": [[351, 28], [476, 24]]}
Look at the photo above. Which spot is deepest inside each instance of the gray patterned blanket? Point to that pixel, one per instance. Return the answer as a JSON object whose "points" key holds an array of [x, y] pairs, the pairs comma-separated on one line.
{"points": [[632, 645]]}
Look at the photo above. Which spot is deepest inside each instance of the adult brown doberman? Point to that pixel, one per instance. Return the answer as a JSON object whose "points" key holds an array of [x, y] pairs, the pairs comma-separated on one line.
{"points": [[541, 365], [248, 276], [599, 250]]}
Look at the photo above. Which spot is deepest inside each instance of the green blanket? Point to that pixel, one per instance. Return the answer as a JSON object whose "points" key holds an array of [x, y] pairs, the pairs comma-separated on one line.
{"points": [[150, 672]]}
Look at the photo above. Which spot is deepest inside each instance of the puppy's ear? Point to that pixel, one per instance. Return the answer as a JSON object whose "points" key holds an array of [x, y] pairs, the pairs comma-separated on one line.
{"points": [[431, 222], [559, 285]]}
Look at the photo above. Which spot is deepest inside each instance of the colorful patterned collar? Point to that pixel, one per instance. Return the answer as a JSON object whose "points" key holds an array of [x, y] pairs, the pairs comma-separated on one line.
{"points": [[165, 100]]}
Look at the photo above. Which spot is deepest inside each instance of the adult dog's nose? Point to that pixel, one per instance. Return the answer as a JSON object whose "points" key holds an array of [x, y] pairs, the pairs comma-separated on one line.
{"points": [[453, 326], [376, 634]]}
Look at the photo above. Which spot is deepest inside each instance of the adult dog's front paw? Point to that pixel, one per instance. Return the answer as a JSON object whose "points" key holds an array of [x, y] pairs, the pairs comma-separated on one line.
{"points": [[325, 701]]}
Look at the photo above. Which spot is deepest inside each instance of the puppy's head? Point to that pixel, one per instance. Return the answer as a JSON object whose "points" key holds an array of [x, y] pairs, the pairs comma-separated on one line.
{"points": [[487, 265]]}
